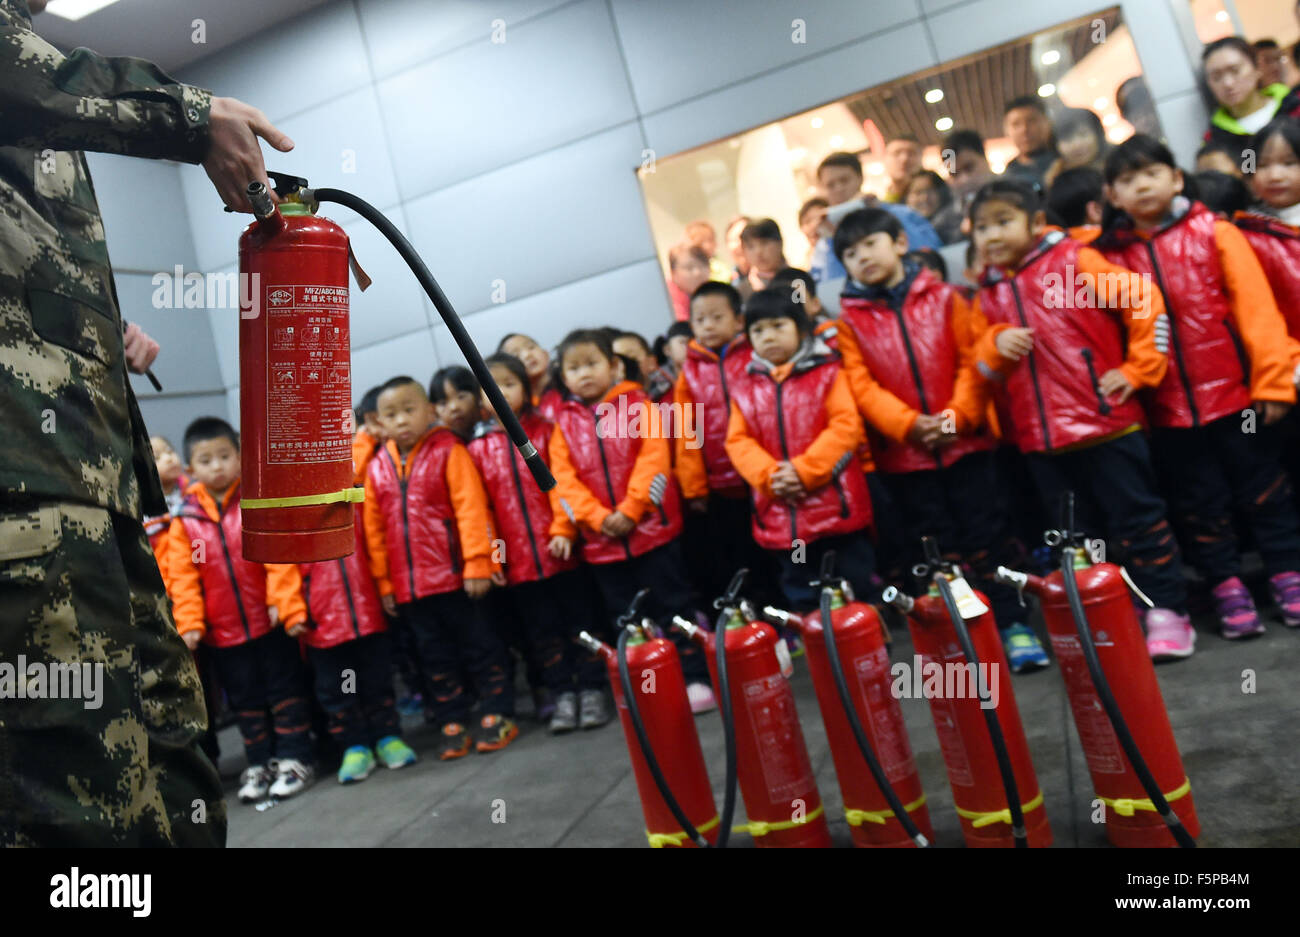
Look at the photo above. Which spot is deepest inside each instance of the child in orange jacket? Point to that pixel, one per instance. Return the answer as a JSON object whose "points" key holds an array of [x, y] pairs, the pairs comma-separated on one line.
{"points": [[612, 470], [241, 610], [430, 535]]}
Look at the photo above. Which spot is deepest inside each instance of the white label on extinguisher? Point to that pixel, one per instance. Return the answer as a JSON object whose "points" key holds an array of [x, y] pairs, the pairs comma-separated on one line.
{"points": [[944, 712], [783, 658], [308, 379], [781, 752], [885, 718], [968, 603], [1096, 735]]}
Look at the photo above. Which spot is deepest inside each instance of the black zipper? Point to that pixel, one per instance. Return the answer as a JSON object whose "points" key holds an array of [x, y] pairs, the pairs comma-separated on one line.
{"points": [[916, 370], [347, 590], [1173, 335], [406, 521], [1033, 369], [451, 544], [523, 505], [306, 601], [609, 484], [785, 452], [1242, 359], [1102, 406], [844, 502], [234, 583]]}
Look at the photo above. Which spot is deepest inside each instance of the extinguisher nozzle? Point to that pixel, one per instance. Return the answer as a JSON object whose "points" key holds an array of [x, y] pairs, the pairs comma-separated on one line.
{"points": [[260, 199], [897, 598], [587, 640], [688, 628]]}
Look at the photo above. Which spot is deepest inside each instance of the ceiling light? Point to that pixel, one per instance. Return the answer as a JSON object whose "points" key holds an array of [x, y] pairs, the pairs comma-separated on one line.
{"points": [[837, 141], [875, 169], [76, 9], [818, 123], [1050, 57], [1221, 16], [943, 124], [1047, 90], [934, 96], [1109, 119], [797, 154], [1101, 104]]}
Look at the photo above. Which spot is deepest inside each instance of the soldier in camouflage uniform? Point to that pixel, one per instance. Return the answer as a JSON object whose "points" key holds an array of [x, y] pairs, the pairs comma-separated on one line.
{"points": [[78, 581]]}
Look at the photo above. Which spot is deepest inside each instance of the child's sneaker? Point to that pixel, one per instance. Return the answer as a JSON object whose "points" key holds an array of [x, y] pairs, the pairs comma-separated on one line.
{"points": [[1285, 589], [566, 714], [411, 705], [1236, 610], [793, 644], [701, 698], [543, 704], [291, 777], [494, 733], [594, 711], [1024, 651], [394, 753], [254, 783], [358, 762], [1170, 636], [455, 742]]}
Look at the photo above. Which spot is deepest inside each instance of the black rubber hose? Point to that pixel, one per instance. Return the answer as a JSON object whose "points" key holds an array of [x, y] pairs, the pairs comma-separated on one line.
{"points": [[990, 717], [728, 727], [647, 752], [859, 733], [1102, 686], [532, 458]]}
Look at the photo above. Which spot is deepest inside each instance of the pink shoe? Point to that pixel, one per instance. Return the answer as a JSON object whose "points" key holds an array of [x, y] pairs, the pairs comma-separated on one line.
{"points": [[1236, 609], [1285, 589], [701, 697], [1170, 636]]}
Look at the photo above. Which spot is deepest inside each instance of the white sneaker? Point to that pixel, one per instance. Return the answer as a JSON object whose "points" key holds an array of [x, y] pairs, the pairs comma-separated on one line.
{"points": [[254, 783], [700, 696], [292, 777]]}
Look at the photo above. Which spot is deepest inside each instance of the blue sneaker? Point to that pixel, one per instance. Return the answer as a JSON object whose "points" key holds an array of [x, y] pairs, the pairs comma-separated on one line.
{"points": [[358, 762], [1024, 650], [394, 753]]}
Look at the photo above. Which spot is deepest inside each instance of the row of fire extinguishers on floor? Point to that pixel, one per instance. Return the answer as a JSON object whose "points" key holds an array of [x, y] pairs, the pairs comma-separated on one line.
{"points": [[1123, 727]]}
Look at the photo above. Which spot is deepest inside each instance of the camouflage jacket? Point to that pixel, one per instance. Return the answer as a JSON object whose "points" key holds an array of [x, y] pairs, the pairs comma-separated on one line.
{"points": [[71, 426]]}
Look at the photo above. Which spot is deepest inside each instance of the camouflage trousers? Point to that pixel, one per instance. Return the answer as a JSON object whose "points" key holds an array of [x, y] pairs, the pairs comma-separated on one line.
{"points": [[100, 703]]}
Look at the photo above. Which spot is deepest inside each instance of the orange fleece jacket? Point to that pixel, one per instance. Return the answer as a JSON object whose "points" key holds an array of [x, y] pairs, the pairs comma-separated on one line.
{"points": [[1144, 365], [283, 580], [364, 448], [842, 434], [689, 459], [469, 503], [890, 415], [588, 510]]}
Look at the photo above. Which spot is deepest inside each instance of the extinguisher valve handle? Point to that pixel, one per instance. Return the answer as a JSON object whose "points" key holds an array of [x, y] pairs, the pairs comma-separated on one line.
{"points": [[587, 640], [778, 615], [1015, 579], [748, 610], [688, 628]]}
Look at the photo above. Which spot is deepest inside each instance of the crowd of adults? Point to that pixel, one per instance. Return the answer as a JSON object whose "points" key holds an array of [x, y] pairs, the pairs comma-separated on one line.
{"points": [[1245, 85]]}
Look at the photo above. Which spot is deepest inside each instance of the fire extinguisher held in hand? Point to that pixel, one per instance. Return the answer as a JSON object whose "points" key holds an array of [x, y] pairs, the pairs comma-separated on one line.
{"points": [[295, 386], [864, 723], [775, 774], [962, 669], [295, 374], [667, 761], [1113, 693]]}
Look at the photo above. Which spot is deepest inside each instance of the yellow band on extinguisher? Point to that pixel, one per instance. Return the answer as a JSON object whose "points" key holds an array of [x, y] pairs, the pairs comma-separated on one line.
{"points": [[1125, 806], [856, 817], [660, 840], [979, 818], [353, 495], [758, 828]]}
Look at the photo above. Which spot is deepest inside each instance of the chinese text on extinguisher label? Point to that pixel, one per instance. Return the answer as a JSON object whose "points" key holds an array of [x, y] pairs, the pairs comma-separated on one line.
{"points": [[308, 387]]}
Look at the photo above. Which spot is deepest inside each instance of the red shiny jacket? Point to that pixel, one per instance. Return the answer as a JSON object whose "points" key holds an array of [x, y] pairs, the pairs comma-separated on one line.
{"points": [[1277, 245], [342, 602], [708, 375]]}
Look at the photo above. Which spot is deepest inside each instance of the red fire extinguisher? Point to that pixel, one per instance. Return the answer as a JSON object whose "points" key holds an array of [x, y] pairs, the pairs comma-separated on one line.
{"points": [[864, 660], [295, 375], [959, 663], [295, 386], [775, 773], [1112, 687], [676, 796]]}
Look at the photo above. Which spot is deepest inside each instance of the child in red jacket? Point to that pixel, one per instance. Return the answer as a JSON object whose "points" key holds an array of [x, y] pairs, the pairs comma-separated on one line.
{"points": [[905, 336], [241, 611], [793, 435], [613, 477], [1069, 339], [349, 649], [546, 597], [429, 535], [543, 384], [1231, 366]]}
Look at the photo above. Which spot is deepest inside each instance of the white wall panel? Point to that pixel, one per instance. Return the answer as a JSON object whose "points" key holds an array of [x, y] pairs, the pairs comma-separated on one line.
{"points": [[145, 217], [408, 354], [557, 78], [168, 416], [187, 360]]}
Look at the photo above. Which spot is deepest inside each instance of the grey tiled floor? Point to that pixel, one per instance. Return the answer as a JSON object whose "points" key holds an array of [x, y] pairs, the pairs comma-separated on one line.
{"points": [[1241, 751]]}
